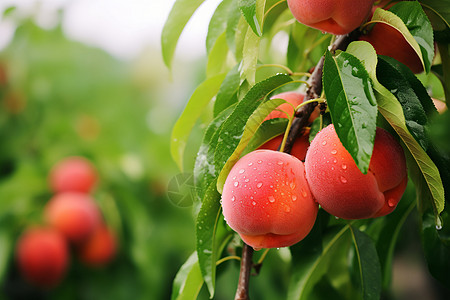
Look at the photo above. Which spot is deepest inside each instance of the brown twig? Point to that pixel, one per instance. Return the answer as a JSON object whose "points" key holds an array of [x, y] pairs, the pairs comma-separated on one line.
{"points": [[244, 275], [297, 128], [315, 89]]}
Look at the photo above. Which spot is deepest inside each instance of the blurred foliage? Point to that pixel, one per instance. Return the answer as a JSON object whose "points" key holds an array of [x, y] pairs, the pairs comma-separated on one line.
{"points": [[60, 98]]}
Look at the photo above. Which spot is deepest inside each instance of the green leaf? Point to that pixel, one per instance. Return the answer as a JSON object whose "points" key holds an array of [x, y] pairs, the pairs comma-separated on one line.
{"points": [[5, 251], [313, 263], [391, 19], [204, 169], [232, 133], [250, 56], [352, 105], [253, 12], [218, 23], [402, 83], [267, 131], [209, 238], [217, 58], [188, 281], [436, 245], [182, 128], [419, 26], [227, 94], [179, 15], [369, 265], [392, 111], [439, 7], [233, 20], [251, 126], [444, 75]]}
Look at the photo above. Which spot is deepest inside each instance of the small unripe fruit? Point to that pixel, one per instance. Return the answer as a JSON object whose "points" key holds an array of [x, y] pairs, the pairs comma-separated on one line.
{"points": [[75, 215], [42, 256], [99, 248], [266, 199], [73, 174], [333, 16], [342, 189]]}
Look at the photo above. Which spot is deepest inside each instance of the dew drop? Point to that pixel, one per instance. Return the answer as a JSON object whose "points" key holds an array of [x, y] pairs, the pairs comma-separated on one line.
{"points": [[233, 198], [280, 162], [234, 178], [271, 186], [236, 183], [247, 180], [254, 203], [324, 143], [259, 161], [332, 168], [287, 209], [271, 199], [250, 164], [335, 160], [292, 185], [391, 203], [241, 171], [259, 185], [334, 151], [337, 218], [304, 193], [343, 179], [294, 198], [251, 197], [438, 227], [344, 166]]}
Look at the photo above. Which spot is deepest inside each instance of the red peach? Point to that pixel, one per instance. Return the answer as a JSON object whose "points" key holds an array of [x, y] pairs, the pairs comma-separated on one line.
{"points": [[333, 16], [266, 199], [390, 42], [73, 174], [99, 248], [342, 189], [75, 215], [42, 256]]}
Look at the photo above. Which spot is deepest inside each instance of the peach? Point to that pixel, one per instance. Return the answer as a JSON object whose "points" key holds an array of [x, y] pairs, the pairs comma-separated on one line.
{"points": [[342, 189], [73, 174], [298, 150], [42, 256], [99, 248], [390, 42], [75, 215], [266, 199], [333, 16]]}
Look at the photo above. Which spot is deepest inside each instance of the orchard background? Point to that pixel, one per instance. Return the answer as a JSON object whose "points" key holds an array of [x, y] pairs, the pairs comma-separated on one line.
{"points": [[162, 129]]}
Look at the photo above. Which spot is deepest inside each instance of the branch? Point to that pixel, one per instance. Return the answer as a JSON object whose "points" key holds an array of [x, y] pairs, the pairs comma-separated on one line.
{"points": [[244, 274], [315, 89]]}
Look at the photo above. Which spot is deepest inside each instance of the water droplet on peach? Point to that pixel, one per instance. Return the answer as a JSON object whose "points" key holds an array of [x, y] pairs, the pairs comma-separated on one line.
{"points": [[254, 203], [241, 171], [233, 198], [343, 179], [287, 209], [259, 161], [236, 183], [324, 143], [280, 162], [250, 164], [334, 151], [271, 199], [304, 193], [294, 198], [259, 185], [391, 203], [344, 166]]}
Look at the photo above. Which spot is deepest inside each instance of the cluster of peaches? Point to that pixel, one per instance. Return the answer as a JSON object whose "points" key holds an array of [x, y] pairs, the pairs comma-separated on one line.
{"points": [[272, 198], [72, 220]]}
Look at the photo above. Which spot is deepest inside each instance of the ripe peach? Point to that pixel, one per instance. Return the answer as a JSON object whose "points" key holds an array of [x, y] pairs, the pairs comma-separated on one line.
{"points": [[75, 215], [42, 256], [298, 149], [73, 174], [390, 42], [293, 98], [333, 16], [266, 199], [342, 189], [99, 248]]}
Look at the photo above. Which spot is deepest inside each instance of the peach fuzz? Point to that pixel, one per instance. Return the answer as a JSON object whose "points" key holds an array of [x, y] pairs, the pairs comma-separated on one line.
{"points": [[99, 248], [73, 174], [75, 215], [42, 255], [342, 189], [333, 16], [266, 199]]}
